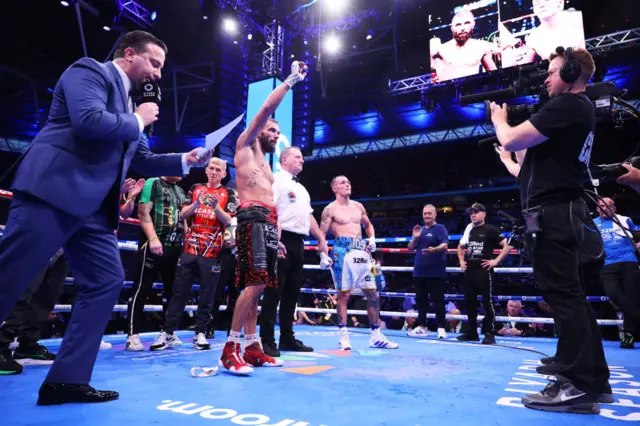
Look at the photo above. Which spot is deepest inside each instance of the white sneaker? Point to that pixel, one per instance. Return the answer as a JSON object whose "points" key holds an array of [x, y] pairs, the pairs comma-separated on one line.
{"points": [[377, 340], [419, 332], [201, 342], [134, 344], [345, 345], [442, 334], [105, 345], [164, 341]]}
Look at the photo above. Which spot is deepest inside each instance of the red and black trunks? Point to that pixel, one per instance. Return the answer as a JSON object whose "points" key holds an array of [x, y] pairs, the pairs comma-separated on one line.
{"points": [[257, 244]]}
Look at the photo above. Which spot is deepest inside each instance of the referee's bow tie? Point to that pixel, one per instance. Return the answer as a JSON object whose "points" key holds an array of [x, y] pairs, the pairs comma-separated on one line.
{"points": [[295, 179]]}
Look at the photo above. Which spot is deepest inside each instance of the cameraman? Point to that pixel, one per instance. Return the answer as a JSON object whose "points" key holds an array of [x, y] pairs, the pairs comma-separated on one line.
{"points": [[558, 140]]}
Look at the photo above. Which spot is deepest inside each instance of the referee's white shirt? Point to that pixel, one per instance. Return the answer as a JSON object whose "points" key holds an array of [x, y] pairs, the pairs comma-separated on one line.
{"points": [[293, 203]]}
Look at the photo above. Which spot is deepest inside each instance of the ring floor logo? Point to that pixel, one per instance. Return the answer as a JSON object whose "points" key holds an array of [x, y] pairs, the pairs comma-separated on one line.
{"points": [[527, 381], [210, 412]]}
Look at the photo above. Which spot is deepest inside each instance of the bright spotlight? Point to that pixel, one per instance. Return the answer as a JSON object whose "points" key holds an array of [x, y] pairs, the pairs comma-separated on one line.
{"points": [[336, 6], [64, 3], [154, 15], [106, 28], [332, 44], [205, 17], [249, 36], [230, 25]]}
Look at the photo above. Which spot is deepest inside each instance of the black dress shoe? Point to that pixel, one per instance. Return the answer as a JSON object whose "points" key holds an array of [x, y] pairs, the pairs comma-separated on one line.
{"points": [[270, 349], [60, 393], [294, 346], [489, 339], [549, 369], [548, 360], [468, 337]]}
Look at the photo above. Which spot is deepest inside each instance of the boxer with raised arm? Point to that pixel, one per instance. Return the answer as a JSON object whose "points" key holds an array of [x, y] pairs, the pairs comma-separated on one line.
{"points": [[257, 230], [352, 266]]}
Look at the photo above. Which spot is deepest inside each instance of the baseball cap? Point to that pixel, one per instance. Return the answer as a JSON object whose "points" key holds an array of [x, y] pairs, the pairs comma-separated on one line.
{"points": [[477, 207]]}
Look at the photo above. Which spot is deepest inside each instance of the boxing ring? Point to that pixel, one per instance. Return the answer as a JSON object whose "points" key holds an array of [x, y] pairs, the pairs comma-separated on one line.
{"points": [[424, 381]]}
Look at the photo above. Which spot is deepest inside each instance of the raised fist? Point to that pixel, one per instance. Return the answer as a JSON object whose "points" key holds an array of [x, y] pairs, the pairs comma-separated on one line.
{"points": [[298, 73]]}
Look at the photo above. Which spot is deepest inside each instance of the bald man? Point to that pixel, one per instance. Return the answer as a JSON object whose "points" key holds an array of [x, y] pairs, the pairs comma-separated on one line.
{"points": [[621, 274], [295, 221], [462, 55]]}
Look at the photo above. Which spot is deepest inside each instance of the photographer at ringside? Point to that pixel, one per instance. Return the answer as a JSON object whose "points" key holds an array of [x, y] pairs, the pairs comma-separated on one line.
{"points": [[558, 140]]}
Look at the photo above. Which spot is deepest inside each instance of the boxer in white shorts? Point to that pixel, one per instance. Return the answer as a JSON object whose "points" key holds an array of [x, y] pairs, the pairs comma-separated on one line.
{"points": [[350, 262]]}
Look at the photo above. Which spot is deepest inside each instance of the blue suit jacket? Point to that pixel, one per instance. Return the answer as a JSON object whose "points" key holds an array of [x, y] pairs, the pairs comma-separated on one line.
{"points": [[79, 160]]}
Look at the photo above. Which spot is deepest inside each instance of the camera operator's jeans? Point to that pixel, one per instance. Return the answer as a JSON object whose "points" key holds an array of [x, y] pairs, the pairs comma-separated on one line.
{"points": [[556, 259]]}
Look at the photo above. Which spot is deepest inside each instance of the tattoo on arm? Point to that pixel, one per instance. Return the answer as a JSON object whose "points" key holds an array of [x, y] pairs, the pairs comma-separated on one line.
{"points": [[325, 220], [144, 212]]}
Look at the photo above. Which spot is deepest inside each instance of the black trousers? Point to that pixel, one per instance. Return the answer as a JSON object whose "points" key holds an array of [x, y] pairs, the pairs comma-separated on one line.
{"points": [[621, 282], [556, 258], [287, 293], [435, 288], [149, 267], [227, 280], [479, 281], [189, 266], [33, 309]]}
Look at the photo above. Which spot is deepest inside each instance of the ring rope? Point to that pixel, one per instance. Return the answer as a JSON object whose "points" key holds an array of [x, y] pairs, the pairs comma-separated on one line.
{"points": [[193, 308]]}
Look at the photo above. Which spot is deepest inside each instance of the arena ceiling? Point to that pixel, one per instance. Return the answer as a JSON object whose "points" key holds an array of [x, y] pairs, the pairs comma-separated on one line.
{"points": [[40, 38]]}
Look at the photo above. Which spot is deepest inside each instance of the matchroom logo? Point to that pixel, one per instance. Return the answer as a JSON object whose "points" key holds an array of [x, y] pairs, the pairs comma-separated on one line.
{"points": [[214, 413]]}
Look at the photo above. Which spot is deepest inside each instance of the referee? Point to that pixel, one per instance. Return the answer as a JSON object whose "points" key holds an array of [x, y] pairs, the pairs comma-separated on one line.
{"points": [[295, 220], [555, 145]]}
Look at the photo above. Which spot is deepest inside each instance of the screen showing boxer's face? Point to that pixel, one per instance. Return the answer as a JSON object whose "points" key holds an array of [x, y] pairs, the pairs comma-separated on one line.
{"points": [[269, 136], [544, 9], [461, 27]]}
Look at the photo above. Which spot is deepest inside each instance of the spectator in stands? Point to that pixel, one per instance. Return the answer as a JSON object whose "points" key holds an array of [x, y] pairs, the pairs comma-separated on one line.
{"points": [[513, 327], [454, 325]]}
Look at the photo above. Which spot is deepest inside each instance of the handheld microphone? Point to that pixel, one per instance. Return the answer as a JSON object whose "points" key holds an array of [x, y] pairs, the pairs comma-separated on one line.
{"points": [[150, 93]]}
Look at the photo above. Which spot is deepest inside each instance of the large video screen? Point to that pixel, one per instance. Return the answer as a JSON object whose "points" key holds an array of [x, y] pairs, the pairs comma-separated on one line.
{"points": [[469, 38]]}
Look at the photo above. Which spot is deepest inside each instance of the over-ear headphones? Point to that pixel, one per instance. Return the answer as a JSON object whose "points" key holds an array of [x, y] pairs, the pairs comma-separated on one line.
{"points": [[571, 70]]}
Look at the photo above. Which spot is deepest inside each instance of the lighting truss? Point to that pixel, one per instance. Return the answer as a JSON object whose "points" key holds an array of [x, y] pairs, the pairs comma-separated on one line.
{"points": [[619, 40], [135, 12], [605, 43], [423, 138], [273, 56], [307, 23]]}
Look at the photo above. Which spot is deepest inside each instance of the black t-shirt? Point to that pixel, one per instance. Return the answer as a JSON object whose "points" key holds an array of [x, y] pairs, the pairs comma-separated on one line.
{"points": [[483, 240], [552, 171]]}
